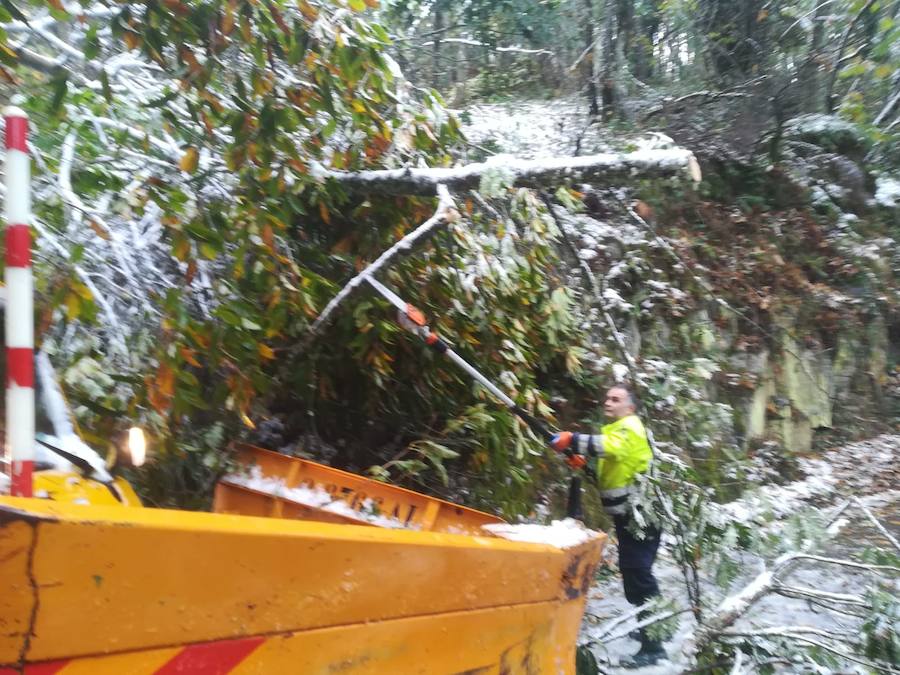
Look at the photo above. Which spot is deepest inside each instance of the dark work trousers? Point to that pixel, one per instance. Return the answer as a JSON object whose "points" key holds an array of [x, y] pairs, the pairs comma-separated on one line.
{"points": [[636, 558]]}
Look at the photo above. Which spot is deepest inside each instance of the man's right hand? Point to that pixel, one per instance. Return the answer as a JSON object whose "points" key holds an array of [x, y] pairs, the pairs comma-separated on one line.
{"points": [[561, 441]]}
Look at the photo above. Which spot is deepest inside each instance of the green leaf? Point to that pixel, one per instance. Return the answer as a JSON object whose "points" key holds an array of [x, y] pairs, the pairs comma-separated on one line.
{"points": [[91, 43], [104, 83], [60, 86]]}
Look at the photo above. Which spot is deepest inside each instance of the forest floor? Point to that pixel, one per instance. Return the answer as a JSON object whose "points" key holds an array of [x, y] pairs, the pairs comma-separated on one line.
{"points": [[867, 470]]}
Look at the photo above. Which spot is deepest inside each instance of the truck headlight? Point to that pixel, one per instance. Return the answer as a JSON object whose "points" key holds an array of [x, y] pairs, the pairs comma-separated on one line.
{"points": [[137, 446]]}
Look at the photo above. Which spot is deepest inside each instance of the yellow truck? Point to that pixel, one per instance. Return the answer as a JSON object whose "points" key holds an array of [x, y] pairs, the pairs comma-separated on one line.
{"points": [[301, 569]]}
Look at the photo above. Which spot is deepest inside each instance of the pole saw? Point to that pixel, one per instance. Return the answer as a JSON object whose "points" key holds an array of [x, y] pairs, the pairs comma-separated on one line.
{"points": [[412, 319]]}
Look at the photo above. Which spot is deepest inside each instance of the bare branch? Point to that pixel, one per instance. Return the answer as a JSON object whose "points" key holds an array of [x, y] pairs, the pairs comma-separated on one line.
{"points": [[875, 522], [889, 107]]}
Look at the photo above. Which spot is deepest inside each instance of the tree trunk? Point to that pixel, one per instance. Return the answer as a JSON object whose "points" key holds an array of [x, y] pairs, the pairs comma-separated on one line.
{"points": [[608, 93], [644, 57], [438, 27], [810, 72], [605, 169], [588, 65], [734, 35]]}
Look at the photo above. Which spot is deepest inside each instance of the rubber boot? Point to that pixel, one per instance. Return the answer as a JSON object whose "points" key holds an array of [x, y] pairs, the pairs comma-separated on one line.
{"points": [[650, 653]]}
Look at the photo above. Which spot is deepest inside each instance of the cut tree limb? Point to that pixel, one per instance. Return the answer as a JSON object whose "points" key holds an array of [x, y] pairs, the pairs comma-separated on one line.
{"points": [[607, 168]]}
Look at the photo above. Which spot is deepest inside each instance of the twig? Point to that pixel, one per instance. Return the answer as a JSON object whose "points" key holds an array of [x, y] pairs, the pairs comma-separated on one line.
{"points": [[799, 633], [875, 522]]}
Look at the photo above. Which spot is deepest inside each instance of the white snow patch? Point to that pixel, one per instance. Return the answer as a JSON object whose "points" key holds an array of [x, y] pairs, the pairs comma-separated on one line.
{"points": [[560, 533], [887, 191]]}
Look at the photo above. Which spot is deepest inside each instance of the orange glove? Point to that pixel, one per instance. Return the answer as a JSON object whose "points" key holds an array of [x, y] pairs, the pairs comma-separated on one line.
{"points": [[561, 441], [576, 461]]}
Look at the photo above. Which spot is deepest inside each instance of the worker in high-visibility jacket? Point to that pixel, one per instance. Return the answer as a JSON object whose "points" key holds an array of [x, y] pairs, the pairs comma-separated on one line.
{"points": [[621, 452]]}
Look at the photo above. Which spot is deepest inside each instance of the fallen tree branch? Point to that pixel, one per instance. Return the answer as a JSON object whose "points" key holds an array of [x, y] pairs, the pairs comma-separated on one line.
{"points": [[444, 214], [800, 633], [875, 522], [596, 169]]}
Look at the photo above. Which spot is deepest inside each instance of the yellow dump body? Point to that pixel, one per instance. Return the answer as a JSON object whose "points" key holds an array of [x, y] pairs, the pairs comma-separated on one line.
{"points": [[298, 488], [118, 590], [63, 486]]}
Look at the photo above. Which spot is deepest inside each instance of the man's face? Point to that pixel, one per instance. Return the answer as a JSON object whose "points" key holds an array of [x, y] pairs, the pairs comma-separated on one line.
{"points": [[618, 404]]}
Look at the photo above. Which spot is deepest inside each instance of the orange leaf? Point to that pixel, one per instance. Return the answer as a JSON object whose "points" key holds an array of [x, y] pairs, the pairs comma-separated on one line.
{"points": [[165, 380], [344, 245], [266, 351], [188, 355], [323, 211], [268, 237]]}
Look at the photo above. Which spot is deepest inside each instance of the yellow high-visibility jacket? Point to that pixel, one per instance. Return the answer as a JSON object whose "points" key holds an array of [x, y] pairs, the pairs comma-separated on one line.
{"points": [[622, 452]]}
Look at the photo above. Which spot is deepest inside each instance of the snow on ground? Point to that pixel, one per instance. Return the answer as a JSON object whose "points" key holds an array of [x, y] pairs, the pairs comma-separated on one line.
{"points": [[887, 191], [867, 470], [532, 129]]}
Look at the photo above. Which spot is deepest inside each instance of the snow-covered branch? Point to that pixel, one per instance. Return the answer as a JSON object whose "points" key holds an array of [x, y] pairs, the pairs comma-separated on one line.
{"points": [[444, 214], [476, 43], [605, 168], [872, 519]]}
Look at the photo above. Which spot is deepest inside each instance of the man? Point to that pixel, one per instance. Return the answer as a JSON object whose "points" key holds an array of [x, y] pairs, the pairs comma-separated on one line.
{"points": [[621, 452]]}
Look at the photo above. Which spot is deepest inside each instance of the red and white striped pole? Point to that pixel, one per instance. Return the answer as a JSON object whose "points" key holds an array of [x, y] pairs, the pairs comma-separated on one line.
{"points": [[19, 305]]}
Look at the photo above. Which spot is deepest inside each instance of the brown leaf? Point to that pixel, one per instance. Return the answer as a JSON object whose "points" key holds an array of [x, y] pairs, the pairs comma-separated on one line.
{"points": [[132, 40], [189, 160], [165, 380], [268, 237], [101, 231], [323, 211], [308, 10]]}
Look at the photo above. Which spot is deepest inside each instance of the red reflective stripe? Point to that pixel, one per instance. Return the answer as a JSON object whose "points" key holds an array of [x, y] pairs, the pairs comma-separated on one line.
{"points": [[18, 246], [17, 133], [211, 658], [21, 486], [20, 366], [45, 668]]}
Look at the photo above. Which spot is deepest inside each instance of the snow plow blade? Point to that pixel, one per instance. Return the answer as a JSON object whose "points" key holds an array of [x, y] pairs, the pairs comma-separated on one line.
{"points": [[113, 589], [276, 485]]}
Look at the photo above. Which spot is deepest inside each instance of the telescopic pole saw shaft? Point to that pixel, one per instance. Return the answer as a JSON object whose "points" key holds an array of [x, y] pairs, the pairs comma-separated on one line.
{"points": [[414, 321]]}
